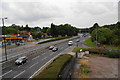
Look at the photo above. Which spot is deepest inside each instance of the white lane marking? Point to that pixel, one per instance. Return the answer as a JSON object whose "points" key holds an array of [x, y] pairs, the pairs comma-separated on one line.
{"points": [[34, 64], [19, 74], [44, 58], [6, 73], [19, 66], [43, 66], [43, 53], [36, 57]]}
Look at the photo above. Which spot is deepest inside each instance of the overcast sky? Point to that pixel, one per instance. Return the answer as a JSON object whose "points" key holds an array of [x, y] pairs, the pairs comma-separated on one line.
{"points": [[79, 13]]}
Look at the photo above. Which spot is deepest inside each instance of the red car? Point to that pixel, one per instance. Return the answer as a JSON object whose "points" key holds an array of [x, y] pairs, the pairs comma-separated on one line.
{"points": [[51, 47]]}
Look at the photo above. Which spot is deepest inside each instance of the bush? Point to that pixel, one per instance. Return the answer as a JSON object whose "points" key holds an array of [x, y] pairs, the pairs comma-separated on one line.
{"points": [[98, 51], [53, 70], [55, 39], [92, 50], [78, 49], [113, 54]]}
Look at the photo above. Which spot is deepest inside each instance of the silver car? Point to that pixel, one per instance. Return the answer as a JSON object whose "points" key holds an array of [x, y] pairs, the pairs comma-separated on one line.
{"points": [[21, 60]]}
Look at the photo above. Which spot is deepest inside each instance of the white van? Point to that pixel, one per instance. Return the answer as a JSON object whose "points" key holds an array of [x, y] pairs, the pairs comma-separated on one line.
{"points": [[70, 43]]}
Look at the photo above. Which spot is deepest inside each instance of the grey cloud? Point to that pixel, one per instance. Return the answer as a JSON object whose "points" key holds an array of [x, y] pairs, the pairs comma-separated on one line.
{"points": [[27, 12]]}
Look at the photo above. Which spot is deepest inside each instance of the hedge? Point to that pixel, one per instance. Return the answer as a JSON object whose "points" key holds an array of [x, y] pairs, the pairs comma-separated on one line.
{"points": [[53, 70], [55, 39], [111, 54]]}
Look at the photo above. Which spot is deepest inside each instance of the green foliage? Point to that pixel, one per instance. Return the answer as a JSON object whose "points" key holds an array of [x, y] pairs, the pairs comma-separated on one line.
{"points": [[98, 51], [85, 69], [113, 54], [89, 43], [103, 35], [107, 34], [53, 70], [55, 39], [77, 49], [9, 30], [63, 30], [94, 27]]}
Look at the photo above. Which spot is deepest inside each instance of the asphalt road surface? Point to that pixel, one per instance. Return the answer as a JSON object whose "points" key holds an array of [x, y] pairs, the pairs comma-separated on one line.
{"points": [[27, 50], [34, 63]]}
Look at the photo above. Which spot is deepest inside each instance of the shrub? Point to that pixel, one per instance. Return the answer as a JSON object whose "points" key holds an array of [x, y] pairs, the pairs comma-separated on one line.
{"points": [[113, 54], [55, 39], [98, 51], [78, 49]]}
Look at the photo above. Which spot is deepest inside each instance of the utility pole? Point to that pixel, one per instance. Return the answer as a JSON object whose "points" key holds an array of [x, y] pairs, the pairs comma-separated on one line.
{"points": [[4, 38]]}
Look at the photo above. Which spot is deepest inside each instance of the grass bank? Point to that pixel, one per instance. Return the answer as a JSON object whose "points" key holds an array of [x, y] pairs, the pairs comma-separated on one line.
{"points": [[89, 43], [100, 51], [53, 70], [84, 68], [55, 39]]}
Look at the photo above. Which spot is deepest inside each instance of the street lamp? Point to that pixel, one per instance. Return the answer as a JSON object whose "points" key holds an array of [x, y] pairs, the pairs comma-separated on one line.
{"points": [[4, 37], [96, 37]]}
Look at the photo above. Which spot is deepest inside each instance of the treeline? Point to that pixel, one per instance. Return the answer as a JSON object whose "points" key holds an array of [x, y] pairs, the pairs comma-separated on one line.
{"points": [[37, 32], [107, 34], [63, 30]]}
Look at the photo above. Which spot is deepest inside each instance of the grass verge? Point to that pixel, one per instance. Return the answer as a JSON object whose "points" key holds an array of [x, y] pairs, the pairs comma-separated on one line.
{"points": [[84, 68], [53, 70], [100, 51], [55, 39], [89, 43]]}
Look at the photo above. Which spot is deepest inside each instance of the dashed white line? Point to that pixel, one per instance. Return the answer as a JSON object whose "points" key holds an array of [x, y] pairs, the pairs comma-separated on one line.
{"points": [[19, 66], [43, 53], [36, 57], [19, 74], [33, 65], [44, 58], [6, 73]]}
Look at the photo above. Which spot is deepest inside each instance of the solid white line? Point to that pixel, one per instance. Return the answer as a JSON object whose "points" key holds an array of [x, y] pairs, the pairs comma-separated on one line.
{"points": [[19, 74], [36, 57], [6, 73], [33, 65]]}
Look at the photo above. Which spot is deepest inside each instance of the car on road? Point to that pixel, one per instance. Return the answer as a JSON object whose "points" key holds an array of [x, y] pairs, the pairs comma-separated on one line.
{"points": [[21, 60], [55, 49], [70, 43], [77, 40], [51, 47]]}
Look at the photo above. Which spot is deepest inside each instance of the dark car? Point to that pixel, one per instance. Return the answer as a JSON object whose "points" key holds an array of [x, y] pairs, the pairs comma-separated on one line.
{"points": [[21, 60], [77, 40], [55, 49], [51, 47]]}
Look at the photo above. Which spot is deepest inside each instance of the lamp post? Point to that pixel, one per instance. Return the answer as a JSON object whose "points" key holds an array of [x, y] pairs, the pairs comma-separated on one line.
{"points": [[96, 37], [4, 38]]}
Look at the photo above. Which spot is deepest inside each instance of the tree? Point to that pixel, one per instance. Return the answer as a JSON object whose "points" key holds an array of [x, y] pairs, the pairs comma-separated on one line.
{"points": [[12, 31], [103, 35], [94, 27], [27, 28]]}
